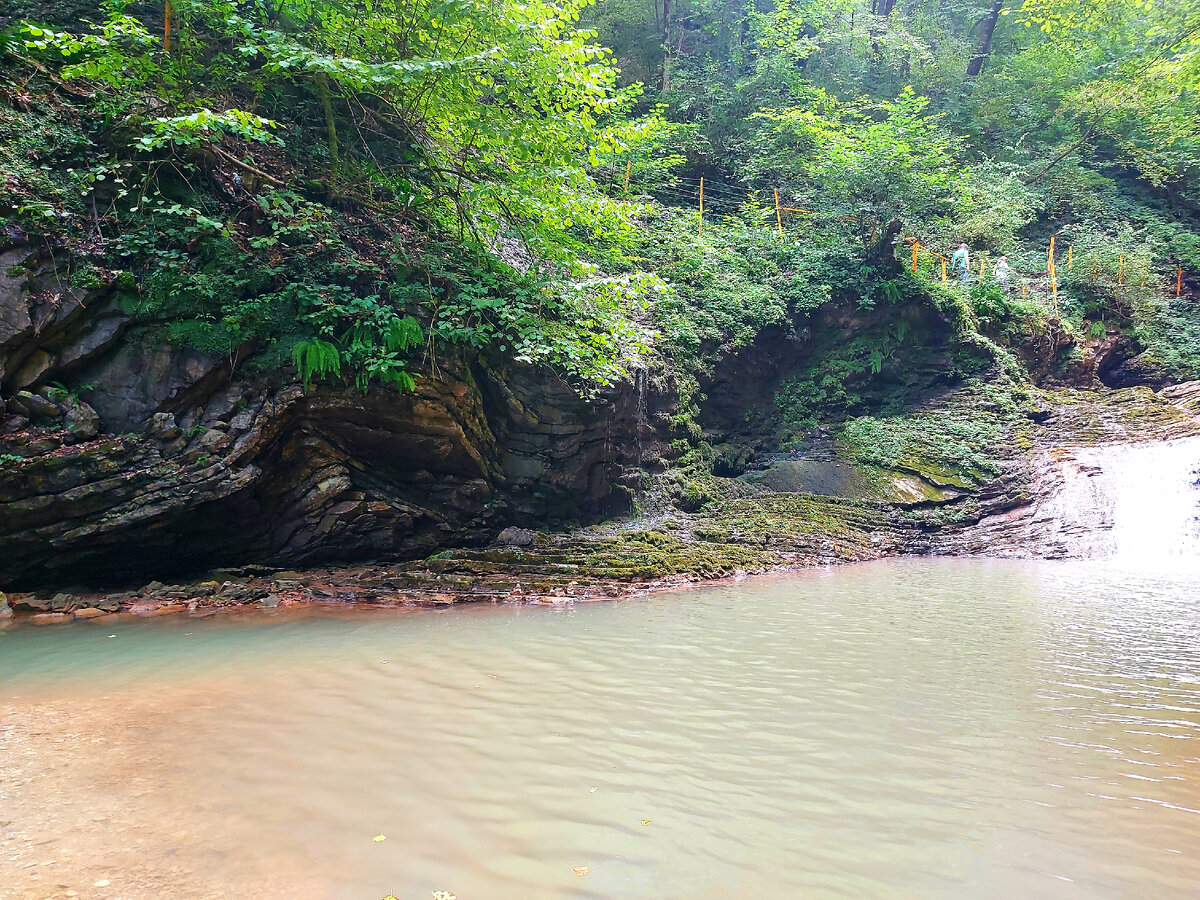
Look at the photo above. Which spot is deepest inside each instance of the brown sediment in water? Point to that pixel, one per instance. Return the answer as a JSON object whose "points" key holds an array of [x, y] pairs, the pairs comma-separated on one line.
{"points": [[977, 727], [88, 783]]}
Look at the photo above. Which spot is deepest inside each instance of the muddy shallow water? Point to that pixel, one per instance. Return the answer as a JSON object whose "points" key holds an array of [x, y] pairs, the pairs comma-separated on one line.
{"points": [[912, 728]]}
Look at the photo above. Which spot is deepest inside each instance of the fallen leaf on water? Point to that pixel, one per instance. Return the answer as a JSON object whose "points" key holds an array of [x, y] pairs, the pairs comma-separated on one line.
{"points": [[103, 882], [645, 821], [581, 870], [379, 837], [443, 895], [593, 790]]}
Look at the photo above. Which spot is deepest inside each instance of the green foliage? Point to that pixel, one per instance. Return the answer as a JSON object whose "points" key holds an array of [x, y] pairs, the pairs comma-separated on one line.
{"points": [[1169, 330], [454, 174], [316, 357], [884, 159], [205, 125], [1003, 312]]}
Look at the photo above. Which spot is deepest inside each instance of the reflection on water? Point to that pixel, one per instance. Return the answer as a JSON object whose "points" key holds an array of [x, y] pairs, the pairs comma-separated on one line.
{"points": [[901, 729]]}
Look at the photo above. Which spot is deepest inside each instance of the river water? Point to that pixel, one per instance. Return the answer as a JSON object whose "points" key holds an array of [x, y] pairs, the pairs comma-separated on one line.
{"points": [[912, 728]]}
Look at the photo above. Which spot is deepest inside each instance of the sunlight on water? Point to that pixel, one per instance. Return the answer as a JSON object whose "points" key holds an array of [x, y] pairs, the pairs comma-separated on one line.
{"points": [[905, 729]]}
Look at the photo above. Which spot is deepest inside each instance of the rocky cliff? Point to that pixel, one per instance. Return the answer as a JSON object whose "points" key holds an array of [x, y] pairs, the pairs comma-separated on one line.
{"points": [[126, 457]]}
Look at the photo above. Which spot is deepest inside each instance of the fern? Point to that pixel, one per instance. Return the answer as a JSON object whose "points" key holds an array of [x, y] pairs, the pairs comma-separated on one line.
{"points": [[402, 334], [316, 357], [401, 379]]}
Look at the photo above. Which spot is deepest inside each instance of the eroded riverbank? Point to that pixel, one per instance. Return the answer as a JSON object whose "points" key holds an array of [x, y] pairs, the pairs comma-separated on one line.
{"points": [[1047, 501]]}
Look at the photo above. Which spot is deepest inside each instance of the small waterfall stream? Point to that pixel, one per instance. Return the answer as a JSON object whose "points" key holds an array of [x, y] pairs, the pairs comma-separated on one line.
{"points": [[1137, 503], [1156, 500]]}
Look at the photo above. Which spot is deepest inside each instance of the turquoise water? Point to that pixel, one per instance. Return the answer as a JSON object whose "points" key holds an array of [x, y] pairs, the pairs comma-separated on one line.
{"points": [[914, 728]]}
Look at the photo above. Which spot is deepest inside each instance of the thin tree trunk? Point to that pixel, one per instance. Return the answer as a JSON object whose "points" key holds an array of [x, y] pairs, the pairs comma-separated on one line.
{"points": [[975, 66], [331, 130], [666, 39]]}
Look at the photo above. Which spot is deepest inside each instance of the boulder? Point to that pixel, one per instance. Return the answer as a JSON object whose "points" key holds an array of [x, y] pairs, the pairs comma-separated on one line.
{"points": [[163, 427], [81, 420], [34, 406], [516, 537]]}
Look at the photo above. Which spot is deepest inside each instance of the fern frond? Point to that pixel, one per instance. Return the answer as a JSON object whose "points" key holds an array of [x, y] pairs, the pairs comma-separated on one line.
{"points": [[316, 357], [403, 333]]}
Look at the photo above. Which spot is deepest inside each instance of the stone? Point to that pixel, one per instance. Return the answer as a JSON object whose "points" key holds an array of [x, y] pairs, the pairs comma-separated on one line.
{"points": [[34, 368], [270, 601], [334, 474], [516, 537], [89, 612], [49, 618], [149, 611], [81, 420], [34, 406], [62, 601], [5, 610], [162, 426]]}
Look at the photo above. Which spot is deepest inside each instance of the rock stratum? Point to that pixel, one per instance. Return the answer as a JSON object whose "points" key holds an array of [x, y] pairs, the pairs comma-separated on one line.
{"points": [[167, 459]]}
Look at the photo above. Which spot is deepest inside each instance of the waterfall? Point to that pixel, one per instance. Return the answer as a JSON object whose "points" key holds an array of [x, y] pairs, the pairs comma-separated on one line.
{"points": [[640, 377], [1136, 503], [1156, 500]]}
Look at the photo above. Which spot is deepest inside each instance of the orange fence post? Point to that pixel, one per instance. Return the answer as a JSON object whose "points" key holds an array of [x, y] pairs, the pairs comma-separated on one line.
{"points": [[1179, 281], [167, 26], [915, 246], [778, 215], [982, 265], [1050, 257], [943, 270], [1070, 255], [1121, 271], [628, 170], [1024, 290], [700, 231]]}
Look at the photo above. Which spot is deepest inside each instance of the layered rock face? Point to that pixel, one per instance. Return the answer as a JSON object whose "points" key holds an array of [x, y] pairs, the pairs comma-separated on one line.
{"points": [[124, 457]]}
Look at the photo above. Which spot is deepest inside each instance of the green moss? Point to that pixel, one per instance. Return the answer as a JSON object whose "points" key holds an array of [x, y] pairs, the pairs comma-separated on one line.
{"points": [[960, 442]]}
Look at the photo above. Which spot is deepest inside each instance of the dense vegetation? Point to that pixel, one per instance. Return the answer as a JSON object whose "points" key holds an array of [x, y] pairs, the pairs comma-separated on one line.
{"points": [[352, 185]]}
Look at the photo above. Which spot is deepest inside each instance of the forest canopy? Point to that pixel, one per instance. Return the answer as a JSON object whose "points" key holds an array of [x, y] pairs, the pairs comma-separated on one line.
{"points": [[349, 186]]}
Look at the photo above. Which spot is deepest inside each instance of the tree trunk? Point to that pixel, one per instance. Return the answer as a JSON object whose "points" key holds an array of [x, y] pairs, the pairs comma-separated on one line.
{"points": [[666, 39], [975, 66], [331, 132]]}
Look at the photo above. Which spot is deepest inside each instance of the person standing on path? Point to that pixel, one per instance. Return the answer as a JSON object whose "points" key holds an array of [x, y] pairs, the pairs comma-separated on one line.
{"points": [[1002, 273], [960, 263]]}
